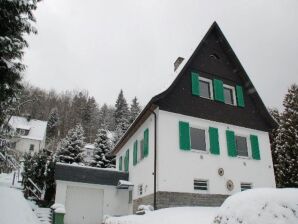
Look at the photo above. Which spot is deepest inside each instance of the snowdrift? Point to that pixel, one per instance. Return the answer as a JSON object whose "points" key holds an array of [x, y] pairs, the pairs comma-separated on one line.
{"points": [[260, 206]]}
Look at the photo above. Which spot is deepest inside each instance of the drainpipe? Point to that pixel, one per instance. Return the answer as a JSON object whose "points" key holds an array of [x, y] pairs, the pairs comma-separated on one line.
{"points": [[155, 156]]}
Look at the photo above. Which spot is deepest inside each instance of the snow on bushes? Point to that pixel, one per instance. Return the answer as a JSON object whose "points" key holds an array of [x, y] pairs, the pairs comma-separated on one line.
{"points": [[260, 206]]}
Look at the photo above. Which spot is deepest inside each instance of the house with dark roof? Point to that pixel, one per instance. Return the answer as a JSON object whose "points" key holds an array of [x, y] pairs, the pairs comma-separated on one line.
{"points": [[202, 139]]}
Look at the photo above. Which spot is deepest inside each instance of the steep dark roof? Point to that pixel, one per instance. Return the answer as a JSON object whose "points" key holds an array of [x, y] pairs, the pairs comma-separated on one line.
{"points": [[157, 100], [88, 175]]}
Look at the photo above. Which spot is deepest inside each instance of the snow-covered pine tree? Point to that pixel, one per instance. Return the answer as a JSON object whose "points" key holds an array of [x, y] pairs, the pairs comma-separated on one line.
{"points": [[286, 169], [71, 148], [135, 110], [102, 145], [121, 110], [16, 19], [121, 117], [53, 124], [272, 136]]}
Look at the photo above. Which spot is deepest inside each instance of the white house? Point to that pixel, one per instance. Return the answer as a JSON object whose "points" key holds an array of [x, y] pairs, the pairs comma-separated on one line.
{"points": [[202, 139], [32, 134]]}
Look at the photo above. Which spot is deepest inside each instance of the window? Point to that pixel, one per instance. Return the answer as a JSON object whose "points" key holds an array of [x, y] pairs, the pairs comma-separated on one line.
{"points": [[140, 189], [229, 95], [205, 88], [129, 197], [13, 145], [198, 139], [241, 146], [31, 147], [141, 154], [200, 184], [21, 131], [120, 163], [246, 186]]}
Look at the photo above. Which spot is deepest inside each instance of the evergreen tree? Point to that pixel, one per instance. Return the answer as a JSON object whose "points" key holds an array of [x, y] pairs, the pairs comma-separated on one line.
{"points": [[16, 19], [286, 167], [53, 124], [121, 111], [121, 117], [102, 157], [272, 136], [89, 119], [135, 110], [71, 148], [34, 168]]}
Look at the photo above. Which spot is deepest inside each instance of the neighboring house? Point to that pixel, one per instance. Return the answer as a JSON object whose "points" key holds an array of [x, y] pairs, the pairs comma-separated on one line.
{"points": [[201, 140], [31, 132], [88, 152]]}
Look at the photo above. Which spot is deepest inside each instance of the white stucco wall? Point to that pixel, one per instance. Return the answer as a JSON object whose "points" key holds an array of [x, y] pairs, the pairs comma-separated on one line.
{"points": [[115, 200], [23, 145], [177, 169], [142, 172]]}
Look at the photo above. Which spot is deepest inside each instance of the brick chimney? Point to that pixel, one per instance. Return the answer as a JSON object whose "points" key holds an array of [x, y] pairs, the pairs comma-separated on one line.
{"points": [[177, 63]]}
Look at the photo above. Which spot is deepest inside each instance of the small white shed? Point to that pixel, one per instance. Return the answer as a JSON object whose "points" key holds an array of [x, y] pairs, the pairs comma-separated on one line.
{"points": [[90, 193]]}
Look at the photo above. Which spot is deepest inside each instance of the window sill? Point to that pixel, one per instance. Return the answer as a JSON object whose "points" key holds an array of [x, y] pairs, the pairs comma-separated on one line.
{"points": [[199, 151], [244, 157]]}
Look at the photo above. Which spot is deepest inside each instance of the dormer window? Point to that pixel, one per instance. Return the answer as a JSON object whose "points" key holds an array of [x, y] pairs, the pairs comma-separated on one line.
{"points": [[23, 132]]}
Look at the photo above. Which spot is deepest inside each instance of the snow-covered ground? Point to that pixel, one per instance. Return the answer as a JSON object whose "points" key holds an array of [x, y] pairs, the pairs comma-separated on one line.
{"points": [[257, 206], [260, 206], [179, 215], [14, 209]]}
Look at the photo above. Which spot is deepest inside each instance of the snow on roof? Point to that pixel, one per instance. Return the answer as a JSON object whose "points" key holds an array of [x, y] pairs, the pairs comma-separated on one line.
{"points": [[37, 127]]}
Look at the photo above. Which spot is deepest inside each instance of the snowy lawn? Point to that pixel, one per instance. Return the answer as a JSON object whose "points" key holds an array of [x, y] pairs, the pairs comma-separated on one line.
{"points": [[14, 209], [260, 206], [179, 215]]}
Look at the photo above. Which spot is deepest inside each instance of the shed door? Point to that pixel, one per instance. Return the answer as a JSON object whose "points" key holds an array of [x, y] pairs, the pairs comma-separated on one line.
{"points": [[83, 205]]}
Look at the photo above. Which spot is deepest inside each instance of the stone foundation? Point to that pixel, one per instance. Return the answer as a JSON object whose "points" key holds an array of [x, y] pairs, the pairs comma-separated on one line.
{"points": [[176, 199]]}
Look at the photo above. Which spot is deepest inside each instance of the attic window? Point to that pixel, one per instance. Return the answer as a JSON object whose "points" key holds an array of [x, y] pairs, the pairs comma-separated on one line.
{"points": [[214, 56]]}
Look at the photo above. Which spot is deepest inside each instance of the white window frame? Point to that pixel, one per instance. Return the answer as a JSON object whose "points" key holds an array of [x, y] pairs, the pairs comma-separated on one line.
{"points": [[233, 92], [210, 87], [246, 183], [206, 139], [249, 152], [198, 190]]}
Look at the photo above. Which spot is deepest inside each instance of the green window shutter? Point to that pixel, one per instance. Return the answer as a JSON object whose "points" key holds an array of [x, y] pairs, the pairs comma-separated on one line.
{"points": [[126, 160], [240, 98], [214, 142], [218, 90], [135, 153], [231, 143], [146, 142], [184, 137], [195, 84], [254, 141], [120, 163]]}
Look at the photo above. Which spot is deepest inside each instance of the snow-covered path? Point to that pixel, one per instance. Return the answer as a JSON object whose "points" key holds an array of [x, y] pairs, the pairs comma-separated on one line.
{"points": [[12, 202], [14, 209]]}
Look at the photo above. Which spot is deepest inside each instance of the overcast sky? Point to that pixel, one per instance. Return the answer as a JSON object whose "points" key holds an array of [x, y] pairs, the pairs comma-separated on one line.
{"points": [[105, 45]]}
